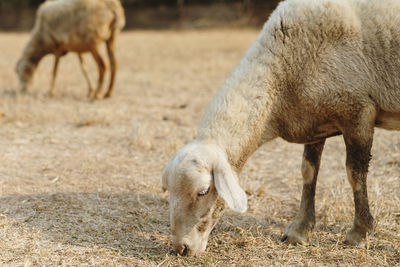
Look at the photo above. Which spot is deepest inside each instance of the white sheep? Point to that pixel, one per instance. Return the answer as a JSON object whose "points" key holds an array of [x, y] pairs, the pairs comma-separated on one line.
{"points": [[80, 26], [318, 68]]}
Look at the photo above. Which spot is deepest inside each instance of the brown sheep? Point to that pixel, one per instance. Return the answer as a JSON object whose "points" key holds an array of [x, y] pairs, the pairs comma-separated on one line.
{"points": [[79, 26]]}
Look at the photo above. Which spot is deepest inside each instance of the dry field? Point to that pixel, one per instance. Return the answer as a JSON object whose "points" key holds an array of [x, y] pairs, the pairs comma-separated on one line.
{"points": [[80, 181]]}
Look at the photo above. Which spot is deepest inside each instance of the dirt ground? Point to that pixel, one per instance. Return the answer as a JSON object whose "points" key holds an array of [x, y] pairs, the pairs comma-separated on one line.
{"points": [[80, 182]]}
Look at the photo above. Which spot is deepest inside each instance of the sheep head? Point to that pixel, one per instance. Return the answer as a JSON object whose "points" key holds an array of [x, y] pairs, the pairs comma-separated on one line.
{"points": [[25, 70], [200, 181]]}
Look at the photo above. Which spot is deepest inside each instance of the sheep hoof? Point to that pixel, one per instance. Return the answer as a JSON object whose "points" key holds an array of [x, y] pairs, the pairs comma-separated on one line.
{"points": [[294, 239], [355, 238], [295, 234], [108, 95], [90, 93], [95, 97], [23, 89]]}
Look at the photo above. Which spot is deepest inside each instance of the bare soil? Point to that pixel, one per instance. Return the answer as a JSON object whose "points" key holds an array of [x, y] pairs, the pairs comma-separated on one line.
{"points": [[80, 181]]}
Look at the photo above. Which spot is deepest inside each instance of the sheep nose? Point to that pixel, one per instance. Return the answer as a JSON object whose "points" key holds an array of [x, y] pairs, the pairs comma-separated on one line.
{"points": [[183, 250]]}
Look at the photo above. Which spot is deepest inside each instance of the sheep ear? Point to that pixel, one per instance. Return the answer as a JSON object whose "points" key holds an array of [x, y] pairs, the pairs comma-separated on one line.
{"points": [[228, 187]]}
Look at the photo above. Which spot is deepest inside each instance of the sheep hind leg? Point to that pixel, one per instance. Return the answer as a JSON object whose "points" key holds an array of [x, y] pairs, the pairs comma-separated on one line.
{"points": [[297, 231], [113, 64], [358, 149], [53, 79], [102, 68], [85, 73]]}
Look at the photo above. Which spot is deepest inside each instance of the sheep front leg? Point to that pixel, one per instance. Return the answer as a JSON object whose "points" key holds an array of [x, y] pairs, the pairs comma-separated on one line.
{"points": [[305, 220], [85, 73], [53, 79], [102, 68], [113, 64], [358, 149]]}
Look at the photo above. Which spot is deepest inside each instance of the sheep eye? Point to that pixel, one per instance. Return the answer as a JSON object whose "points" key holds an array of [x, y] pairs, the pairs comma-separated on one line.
{"points": [[203, 192]]}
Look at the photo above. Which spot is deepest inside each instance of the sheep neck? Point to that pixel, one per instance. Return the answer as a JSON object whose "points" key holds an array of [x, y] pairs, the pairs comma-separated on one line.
{"points": [[35, 50], [238, 119]]}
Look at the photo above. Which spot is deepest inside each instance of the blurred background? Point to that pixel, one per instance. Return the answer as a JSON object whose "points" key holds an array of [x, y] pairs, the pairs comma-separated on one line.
{"points": [[18, 15]]}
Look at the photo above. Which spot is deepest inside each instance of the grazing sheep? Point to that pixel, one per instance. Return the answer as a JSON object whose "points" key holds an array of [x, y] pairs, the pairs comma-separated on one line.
{"points": [[319, 68], [78, 26]]}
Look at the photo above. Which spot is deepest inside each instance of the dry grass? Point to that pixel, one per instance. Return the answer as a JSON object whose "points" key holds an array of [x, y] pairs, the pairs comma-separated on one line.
{"points": [[80, 181]]}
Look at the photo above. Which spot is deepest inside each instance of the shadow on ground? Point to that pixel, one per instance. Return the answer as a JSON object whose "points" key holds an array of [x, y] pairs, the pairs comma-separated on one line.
{"points": [[135, 225], [132, 224]]}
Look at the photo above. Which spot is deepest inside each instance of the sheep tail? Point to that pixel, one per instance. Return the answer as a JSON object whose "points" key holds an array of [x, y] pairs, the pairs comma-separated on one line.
{"points": [[118, 21]]}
